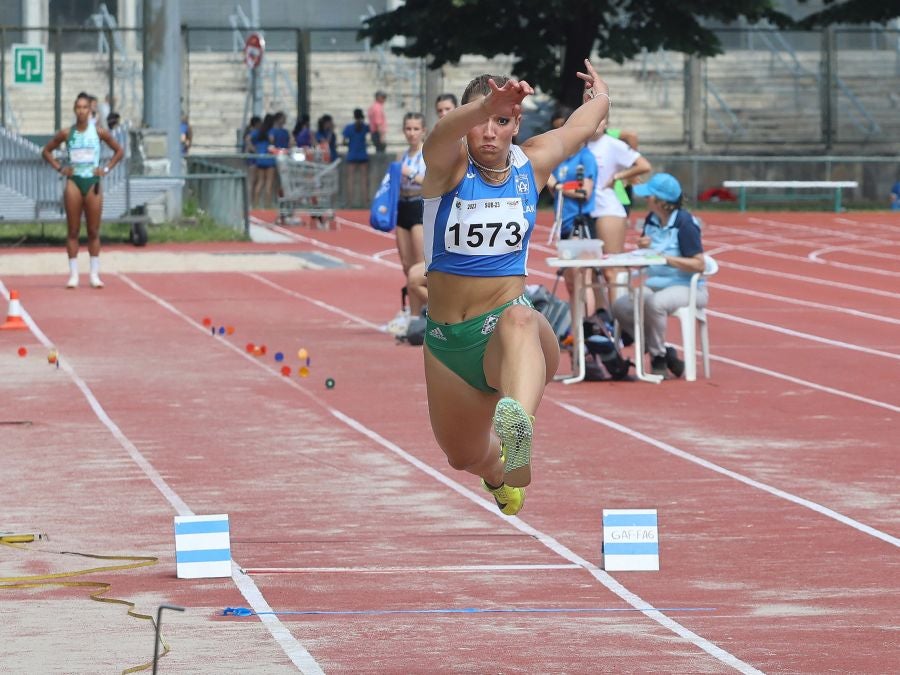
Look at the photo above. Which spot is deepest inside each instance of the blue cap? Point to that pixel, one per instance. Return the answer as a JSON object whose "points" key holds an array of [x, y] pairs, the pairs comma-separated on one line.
{"points": [[663, 186]]}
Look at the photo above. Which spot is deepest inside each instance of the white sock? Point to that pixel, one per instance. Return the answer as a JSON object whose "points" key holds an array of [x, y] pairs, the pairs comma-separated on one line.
{"points": [[95, 264], [73, 265]]}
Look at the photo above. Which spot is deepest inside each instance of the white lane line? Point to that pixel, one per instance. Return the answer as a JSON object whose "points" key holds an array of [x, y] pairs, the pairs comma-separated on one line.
{"points": [[867, 269], [881, 227], [805, 303], [672, 450], [858, 250], [804, 336], [815, 231], [809, 280], [562, 551], [295, 651], [806, 383], [605, 579], [421, 569], [738, 364]]}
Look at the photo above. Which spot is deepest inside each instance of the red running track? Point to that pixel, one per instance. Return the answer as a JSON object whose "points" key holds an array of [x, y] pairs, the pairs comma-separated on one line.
{"points": [[775, 481]]}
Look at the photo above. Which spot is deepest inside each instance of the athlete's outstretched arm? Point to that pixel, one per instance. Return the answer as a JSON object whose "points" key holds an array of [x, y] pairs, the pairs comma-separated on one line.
{"points": [[547, 150], [444, 151]]}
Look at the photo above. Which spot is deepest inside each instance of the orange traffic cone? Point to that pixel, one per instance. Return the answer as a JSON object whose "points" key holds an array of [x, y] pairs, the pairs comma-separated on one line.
{"points": [[14, 316]]}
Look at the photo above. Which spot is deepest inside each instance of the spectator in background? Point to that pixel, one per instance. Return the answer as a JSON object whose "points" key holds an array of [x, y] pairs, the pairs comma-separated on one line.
{"points": [[94, 113], [410, 211], [281, 138], [326, 141], [444, 104], [416, 281], [378, 122], [264, 181], [674, 233], [106, 108], [616, 161], [357, 160], [302, 133], [577, 202], [113, 120], [187, 134], [248, 148], [895, 197]]}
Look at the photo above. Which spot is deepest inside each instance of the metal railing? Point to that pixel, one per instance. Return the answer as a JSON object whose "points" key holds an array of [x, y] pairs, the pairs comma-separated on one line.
{"points": [[221, 191], [24, 171]]}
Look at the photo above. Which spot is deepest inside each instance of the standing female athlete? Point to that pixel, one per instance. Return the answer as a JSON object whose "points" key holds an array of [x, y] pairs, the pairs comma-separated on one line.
{"points": [[488, 353], [82, 193]]}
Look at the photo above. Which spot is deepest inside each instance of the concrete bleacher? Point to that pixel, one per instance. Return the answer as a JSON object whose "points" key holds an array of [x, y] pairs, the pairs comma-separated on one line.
{"points": [[771, 103]]}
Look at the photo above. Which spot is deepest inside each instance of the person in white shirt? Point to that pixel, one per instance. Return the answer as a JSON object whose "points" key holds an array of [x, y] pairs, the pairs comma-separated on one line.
{"points": [[616, 160]]}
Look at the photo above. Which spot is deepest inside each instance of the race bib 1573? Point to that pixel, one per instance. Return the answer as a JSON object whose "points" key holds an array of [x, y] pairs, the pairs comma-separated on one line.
{"points": [[485, 226]]}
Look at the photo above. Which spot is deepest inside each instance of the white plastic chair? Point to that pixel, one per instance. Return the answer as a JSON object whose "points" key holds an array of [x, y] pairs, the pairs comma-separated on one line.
{"points": [[690, 315]]}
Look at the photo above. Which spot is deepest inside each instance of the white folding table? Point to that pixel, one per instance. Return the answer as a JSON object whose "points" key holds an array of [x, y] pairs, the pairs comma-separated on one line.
{"points": [[632, 262]]}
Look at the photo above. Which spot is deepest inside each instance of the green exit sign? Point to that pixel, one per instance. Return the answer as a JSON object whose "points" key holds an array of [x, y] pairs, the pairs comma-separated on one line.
{"points": [[28, 64]]}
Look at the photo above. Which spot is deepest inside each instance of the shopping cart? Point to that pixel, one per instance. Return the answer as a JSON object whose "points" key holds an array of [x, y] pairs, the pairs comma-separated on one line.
{"points": [[308, 189]]}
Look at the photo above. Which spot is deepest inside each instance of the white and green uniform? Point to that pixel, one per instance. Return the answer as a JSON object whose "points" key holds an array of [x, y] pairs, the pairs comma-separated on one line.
{"points": [[83, 148]]}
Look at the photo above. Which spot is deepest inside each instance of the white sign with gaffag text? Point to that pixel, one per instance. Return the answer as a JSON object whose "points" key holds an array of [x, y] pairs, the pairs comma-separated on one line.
{"points": [[630, 540]]}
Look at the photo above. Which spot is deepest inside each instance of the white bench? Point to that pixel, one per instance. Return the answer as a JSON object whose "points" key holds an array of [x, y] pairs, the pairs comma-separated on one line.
{"points": [[824, 188]]}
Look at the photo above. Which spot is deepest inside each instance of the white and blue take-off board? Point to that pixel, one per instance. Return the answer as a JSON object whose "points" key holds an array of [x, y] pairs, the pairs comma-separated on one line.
{"points": [[630, 540], [202, 547]]}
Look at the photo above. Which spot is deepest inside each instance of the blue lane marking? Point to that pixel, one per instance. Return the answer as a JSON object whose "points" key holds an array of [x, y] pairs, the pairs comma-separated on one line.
{"points": [[629, 520], [202, 527], [204, 555], [630, 549], [244, 611]]}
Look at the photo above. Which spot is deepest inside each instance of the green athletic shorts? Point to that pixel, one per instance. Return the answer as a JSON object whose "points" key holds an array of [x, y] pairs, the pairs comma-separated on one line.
{"points": [[85, 183], [461, 346]]}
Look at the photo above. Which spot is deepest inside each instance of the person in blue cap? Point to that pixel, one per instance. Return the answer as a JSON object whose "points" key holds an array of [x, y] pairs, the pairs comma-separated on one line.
{"points": [[673, 232]]}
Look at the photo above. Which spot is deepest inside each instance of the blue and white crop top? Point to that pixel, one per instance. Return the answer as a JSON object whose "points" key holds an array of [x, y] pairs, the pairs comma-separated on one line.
{"points": [[408, 186], [482, 230]]}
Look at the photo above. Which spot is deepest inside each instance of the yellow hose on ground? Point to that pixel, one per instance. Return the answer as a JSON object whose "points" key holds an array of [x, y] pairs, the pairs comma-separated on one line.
{"points": [[36, 581]]}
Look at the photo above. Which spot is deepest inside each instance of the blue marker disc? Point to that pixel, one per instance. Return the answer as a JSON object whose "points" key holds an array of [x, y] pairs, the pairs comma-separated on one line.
{"points": [[279, 356], [221, 330]]}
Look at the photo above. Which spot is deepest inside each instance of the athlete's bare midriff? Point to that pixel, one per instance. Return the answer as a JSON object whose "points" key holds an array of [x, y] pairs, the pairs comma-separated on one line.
{"points": [[453, 298]]}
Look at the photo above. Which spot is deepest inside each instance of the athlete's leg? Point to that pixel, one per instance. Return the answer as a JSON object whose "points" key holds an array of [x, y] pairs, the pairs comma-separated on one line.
{"points": [[404, 248], [520, 359], [461, 419], [417, 285], [417, 246], [522, 356], [74, 204], [611, 230], [93, 210]]}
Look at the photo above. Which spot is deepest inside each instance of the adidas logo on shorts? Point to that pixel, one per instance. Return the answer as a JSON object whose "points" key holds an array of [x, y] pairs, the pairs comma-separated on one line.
{"points": [[490, 323], [437, 333]]}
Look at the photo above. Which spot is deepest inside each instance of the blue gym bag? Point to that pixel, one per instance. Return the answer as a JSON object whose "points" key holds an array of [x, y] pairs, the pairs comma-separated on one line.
{"points": [[383, 212]]}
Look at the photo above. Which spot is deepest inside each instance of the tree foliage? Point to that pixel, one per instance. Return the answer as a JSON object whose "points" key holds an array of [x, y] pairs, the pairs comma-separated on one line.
{"points": [[550, 39], [852, 11]]}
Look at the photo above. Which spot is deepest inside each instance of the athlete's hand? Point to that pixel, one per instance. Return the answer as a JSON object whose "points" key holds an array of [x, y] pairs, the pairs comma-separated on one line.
{"points": [[593, 84], [67, 171], [643, 242], [506, 101]]}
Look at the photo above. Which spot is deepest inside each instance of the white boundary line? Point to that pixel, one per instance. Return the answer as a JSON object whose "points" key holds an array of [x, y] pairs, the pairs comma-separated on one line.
{"points": [[809, 280], [411, 570], [600, 575], [295, 651], [806, 383], [804, 336], [731, 362], [804, 303], [672, 450]]}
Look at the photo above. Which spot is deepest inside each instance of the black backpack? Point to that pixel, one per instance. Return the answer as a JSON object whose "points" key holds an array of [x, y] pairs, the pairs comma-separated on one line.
{"points": [[600, 345], [556, 311]]}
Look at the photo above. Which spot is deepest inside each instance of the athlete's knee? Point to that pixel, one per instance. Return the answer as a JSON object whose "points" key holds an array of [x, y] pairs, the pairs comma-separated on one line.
{"points": [[518, 317]]}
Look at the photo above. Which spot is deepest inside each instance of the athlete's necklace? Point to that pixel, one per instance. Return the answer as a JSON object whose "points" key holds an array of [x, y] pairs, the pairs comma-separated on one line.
{"points": [[501, 172]]}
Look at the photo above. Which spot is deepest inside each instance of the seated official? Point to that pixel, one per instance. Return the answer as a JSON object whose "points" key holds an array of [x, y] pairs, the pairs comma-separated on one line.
{"points": [[674, 233]]}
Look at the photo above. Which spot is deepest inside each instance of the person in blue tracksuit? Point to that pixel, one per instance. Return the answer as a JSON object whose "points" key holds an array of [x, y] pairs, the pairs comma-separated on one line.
{"points": [[673, 232], [488, 353]]}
